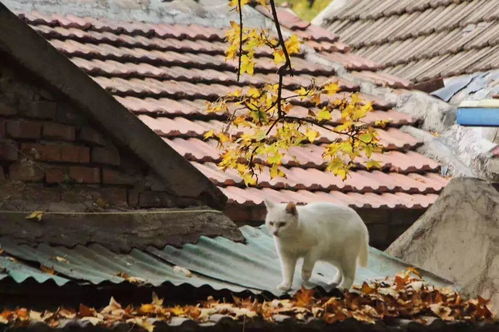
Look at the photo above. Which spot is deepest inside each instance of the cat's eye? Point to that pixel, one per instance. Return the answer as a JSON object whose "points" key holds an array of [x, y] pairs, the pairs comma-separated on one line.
{"points": [[271, 223], [280, 224]]}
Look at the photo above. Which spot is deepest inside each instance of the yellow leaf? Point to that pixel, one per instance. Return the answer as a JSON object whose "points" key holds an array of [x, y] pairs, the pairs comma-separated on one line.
{"points": [[142, 322], [209, 134], [279, 56], [302, 91], [147, 309], [177, 310], [373, 164], [366, 137], [235, 3], [248, 179], [293, 44], [223, 138], [381, 123], [253, 92], [323, 114], [235, 93], [156, 300], [247, 65], [331, 88], [311, 135], [275, 172], [275, 158], [35, 215], [240, 120]]}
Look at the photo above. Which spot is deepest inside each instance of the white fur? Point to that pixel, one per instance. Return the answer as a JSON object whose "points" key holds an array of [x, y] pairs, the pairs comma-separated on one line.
{"points": [[318, 232]]}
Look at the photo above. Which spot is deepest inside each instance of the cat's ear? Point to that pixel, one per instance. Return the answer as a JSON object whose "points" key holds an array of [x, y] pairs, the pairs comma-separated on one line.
{"points": [[291, 209], [268, 204]]}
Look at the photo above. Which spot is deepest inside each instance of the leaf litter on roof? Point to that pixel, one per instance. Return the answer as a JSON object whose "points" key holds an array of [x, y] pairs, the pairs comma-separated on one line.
{"points": [[406, 295]]}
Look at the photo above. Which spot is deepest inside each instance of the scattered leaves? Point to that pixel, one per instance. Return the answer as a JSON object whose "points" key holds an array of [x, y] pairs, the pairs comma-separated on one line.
{"points": [[404, 296]]}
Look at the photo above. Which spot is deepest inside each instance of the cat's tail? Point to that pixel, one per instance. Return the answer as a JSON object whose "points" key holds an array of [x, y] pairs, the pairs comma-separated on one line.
{"points": [[364, 251]]}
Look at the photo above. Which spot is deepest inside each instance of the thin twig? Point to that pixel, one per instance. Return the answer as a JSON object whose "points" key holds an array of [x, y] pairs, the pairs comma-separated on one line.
{"points": [[240, 39], [281, 40]]}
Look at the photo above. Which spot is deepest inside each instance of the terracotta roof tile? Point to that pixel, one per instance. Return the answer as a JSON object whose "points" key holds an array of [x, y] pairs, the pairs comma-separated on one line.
{"points": [[409, 37], [165, 74]]}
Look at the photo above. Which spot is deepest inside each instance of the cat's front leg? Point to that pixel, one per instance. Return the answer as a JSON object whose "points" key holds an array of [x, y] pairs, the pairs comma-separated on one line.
{"points": [[288, 263], [307, 268]]}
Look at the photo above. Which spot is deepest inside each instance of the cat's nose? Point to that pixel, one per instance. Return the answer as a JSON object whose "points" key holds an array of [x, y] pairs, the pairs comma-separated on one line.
{"points": [[275, 233]]}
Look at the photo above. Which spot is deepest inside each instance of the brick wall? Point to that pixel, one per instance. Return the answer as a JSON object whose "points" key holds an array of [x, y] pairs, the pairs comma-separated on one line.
{"points": [[54, 158]]}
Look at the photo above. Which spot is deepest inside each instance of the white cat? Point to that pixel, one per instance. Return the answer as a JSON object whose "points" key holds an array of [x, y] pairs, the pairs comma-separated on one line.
{"points": [[317, 232]]}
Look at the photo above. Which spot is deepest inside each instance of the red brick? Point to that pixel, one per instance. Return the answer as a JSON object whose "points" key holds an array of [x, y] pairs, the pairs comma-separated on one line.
{"points": [[8, 151], [92, 136], [56, 175], [6, 109], [83, 174], [58, 131], [24, 129], [45, 152], [26, 171], [107, 155], [110, 176], [75, 154]]}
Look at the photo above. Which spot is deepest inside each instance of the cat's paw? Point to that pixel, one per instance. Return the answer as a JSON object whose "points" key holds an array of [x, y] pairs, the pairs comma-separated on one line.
{"points": [[284, 286]]}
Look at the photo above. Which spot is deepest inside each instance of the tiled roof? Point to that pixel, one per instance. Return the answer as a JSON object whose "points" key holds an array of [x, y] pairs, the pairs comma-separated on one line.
{"points": [[215, 262], [166, 73], [421, 40]]}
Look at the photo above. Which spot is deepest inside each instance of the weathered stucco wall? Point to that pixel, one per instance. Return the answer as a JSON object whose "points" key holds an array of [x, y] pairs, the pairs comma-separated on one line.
{"points": [[458, 238]]}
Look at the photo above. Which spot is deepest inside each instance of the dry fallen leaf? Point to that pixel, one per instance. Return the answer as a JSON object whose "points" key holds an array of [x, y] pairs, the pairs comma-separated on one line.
{"points": [[61, 259], [130, 279], [46, 269], [304, 297], [182, 270], [35, 215]]}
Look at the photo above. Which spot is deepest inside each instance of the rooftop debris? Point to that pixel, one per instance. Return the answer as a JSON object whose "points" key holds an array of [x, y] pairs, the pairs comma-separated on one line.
{"points": [[406, 296]]}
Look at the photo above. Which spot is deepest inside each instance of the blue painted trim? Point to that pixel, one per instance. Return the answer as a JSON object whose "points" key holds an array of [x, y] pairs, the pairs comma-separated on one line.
{"points": [[478, 117]]}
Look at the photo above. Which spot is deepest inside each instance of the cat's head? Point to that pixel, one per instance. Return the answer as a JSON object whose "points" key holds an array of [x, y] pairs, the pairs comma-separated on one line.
{"points": [[281, 218]]}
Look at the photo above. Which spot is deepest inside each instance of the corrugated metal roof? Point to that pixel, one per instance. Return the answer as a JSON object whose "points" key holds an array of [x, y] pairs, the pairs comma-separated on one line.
{"points": [[216, 262]]}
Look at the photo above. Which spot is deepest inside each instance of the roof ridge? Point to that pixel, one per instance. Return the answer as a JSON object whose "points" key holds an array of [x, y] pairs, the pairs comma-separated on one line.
{"points": [[130, 27]]}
